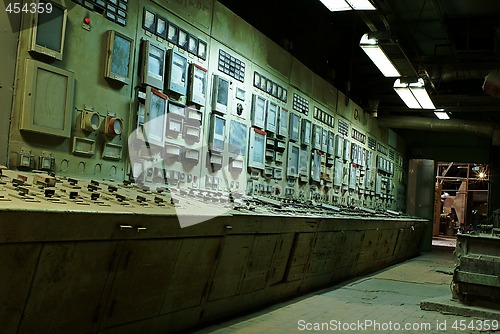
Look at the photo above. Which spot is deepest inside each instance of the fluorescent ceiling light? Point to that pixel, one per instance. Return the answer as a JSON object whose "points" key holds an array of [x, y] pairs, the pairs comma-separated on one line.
{"points": [[361, 4], [336, 5], [406, 95], [418, 90], [372, 49], [341, 5], [414, 94], [441, 115]]}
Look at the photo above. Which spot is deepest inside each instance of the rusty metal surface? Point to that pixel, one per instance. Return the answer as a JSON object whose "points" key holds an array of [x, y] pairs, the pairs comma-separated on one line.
{"points": [[477, 272]]}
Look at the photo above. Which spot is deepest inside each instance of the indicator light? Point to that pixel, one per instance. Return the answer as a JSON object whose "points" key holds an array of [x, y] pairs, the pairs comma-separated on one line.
{"points": [[86, 20]]}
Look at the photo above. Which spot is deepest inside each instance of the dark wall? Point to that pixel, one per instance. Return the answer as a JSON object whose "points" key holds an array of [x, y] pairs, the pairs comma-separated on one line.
{"points": [[443, 146], [494, 193]]}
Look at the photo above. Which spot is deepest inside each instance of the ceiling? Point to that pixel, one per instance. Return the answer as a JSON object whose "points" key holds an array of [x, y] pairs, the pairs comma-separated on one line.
{"points": [[452, 44]]}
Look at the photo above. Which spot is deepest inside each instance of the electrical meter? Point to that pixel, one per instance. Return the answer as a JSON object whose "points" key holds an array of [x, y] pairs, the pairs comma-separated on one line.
{"points": [[177, 72], [283, 122], [294, 126], [217, 130], [220, 94], [197, 84], [304, 162], [152, 70], [305, 133], [293, 160], [331, 142], [339, 146], [256, 149], [324, 140], [154, 116], [337, 172], [272, 114], [316, 166], [347, 149], [316, 141], [259, 105]]}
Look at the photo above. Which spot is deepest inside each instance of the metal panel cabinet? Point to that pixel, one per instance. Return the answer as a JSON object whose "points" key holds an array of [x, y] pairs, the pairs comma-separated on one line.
{"points": [[231, 266], [142, 276], [67, 287], [18, 263], [259, 263], [191, 273]]}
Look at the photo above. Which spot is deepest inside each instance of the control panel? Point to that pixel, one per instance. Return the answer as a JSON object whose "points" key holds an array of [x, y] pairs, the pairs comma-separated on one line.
{"points": [[169, 103]]}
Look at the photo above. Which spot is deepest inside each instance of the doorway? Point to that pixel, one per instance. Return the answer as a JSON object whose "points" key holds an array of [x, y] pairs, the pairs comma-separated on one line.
{"points": [[461, 198]]}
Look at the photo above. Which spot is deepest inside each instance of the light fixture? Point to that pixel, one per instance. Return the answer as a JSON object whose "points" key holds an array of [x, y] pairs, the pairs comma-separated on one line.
{"points": [[341, 5], [413, 93], [441, 114], [371, 47]]}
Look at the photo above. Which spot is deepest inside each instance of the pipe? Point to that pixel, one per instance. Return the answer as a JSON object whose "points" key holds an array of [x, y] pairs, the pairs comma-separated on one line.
{"points": [[430, 124]]}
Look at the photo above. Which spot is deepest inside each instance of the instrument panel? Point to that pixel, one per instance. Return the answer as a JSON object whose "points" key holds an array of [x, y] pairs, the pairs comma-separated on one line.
{"points": [[176, 105]]}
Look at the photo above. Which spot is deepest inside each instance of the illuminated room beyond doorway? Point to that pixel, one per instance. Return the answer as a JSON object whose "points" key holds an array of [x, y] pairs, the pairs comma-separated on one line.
{"points": [[461, 198]]}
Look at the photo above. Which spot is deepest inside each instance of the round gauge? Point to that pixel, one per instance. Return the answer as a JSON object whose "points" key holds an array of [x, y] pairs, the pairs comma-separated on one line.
{"points": [[94, 121], [183, 39], [202, 49], [161, 27], [172, 33], [149, 20], [256, 79], [193, 45], [115, 126]]}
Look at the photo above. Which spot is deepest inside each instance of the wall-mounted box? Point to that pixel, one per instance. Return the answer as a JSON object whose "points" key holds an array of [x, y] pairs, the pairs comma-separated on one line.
{"points": [[197, 85], [152, 70], [47, 105], [256, 149], [220, 94], [258, 115], [294, 127], [217, 133], [305, 133], [293, 160], [271, 117], [48, 29], [316, 136], [177, 72], [283, 122], [155, 120], [118, 65]]}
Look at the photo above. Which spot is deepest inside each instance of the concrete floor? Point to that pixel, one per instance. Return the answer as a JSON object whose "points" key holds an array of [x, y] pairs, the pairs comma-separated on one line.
{"points": [[388, 300]]}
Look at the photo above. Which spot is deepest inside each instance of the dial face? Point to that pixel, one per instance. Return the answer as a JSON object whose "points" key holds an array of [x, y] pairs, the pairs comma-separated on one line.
{"points": [[183, 39], [149, 20], [202, 49], [256, 79], [193, 45], [117, 126], [172, 33], [161, 27]]}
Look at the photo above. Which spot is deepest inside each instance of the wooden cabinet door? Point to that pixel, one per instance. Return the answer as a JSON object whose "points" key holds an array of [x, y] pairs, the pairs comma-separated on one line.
{"points": [[141, 281], [67, 287]]}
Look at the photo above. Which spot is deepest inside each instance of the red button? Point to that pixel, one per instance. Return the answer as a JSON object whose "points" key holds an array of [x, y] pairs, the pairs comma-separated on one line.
{"points": [[86, 20]]}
